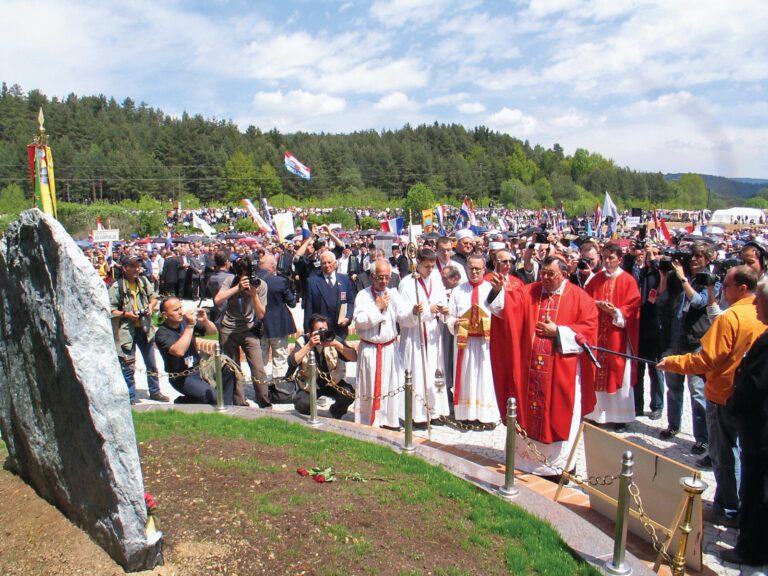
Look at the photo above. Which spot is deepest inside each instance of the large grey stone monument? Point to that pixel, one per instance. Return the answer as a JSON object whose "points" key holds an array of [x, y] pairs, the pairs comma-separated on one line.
{"points": [[64, 410]]}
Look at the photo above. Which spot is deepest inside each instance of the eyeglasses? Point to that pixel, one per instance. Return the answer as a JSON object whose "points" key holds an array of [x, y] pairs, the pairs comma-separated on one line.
{"points": [[504, 261], [476, 269], [383, 277]]}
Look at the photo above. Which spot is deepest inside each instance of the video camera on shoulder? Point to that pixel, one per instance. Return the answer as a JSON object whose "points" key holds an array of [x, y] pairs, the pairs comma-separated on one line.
{"points": [[244, 267]]}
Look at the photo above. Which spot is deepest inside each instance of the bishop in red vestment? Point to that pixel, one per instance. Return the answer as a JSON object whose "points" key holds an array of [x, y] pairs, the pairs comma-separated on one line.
{"points": [[547, 377]]}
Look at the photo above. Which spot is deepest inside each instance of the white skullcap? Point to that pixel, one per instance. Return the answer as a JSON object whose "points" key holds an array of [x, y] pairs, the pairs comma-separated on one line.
{"points": [[465, 233]]}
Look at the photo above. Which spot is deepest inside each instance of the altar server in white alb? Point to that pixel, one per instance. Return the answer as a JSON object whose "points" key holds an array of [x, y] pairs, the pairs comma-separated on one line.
{"points": [[469, 319], [379, 366], [425, 333]]}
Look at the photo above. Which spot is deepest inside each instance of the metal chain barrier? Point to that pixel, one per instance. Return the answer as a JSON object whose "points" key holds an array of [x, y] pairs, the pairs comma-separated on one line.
{"points": [[658, 545], [605, 480]]}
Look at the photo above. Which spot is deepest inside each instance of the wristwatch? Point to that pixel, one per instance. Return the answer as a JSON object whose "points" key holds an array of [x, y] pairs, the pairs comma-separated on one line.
{"points": [[684, 280]]}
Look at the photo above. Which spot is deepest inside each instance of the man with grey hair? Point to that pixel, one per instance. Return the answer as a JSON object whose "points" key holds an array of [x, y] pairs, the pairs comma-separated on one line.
{"points": [[378, 311], [332, 295], [278, 319]]}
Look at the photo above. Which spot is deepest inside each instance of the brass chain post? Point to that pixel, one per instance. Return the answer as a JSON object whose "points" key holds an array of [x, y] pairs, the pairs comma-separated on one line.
{"points": [[408, 443], [618, 566], [508, 491], [313, 419]]}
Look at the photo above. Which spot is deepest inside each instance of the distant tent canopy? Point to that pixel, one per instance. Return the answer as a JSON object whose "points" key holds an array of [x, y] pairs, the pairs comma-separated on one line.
{"points": [[731, 214]]}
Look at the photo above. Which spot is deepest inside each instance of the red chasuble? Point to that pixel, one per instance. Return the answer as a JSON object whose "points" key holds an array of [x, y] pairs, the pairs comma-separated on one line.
{"points": [[622, 292], [547, 377], [505, 344]]}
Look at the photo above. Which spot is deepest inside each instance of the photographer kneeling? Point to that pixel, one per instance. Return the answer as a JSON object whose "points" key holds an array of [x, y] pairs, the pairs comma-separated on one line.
{"points": [[176, 341], [331, 354]]}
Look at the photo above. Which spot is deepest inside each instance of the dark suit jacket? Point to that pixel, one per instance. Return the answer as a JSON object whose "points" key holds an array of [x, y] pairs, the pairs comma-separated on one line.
{"points": [[170, 274], [325, 300], [278, 320]]}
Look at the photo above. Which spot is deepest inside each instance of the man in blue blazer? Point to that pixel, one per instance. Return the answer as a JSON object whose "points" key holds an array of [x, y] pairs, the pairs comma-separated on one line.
{"points": [[278, 321], [332, 295]]}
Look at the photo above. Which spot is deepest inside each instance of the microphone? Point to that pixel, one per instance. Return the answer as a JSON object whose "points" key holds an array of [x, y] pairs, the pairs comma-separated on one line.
{"points": [[582, 341]]}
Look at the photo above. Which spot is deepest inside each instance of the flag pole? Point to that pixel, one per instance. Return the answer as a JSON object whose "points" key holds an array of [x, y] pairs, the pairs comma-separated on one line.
{"points": [[412, 251]]}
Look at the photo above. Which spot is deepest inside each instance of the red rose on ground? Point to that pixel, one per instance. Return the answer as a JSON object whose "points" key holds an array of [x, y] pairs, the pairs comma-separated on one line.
{"points": [[319, 478], [302, 472]]}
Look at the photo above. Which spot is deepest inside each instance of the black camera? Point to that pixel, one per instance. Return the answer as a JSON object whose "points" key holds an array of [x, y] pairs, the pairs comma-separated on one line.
{"points": [[541, 238], [706, 279], [244, 267], [584, 264], [145, 320], [664, 264], [326, 335]]}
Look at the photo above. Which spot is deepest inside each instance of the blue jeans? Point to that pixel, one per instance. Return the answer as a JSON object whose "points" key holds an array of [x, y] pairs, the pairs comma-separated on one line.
{"points": [[128, 364], [726, 464], [698, 403]]}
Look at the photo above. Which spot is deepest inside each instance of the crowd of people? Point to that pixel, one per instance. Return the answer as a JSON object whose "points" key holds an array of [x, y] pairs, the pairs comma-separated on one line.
{"points": [[567, 325]]}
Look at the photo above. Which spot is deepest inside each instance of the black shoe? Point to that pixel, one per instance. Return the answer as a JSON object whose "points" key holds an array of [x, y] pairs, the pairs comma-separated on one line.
{"points": [[159, 397], [419, 425], [718, 518], [733, 557], [619, 427], [392, 428], [668, 434], [134, 401], [655, 415], [705, 463], [437, 422], [336, 413], [488, 425], [699, 448]]}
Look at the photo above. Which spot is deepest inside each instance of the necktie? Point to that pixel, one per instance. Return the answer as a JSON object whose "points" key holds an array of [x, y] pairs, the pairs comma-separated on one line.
{"points": [[328, 280]]}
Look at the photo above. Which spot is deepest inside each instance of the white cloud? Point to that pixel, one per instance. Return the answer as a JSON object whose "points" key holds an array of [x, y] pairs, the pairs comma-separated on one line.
{"points": [[447, 99], [470, 108], [512, 121], [299, 102], [396, 101], [399, 12]]}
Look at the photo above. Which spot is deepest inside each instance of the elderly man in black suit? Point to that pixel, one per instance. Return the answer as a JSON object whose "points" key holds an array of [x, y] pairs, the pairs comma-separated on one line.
{"points": [[278, 320], [332, 295]]}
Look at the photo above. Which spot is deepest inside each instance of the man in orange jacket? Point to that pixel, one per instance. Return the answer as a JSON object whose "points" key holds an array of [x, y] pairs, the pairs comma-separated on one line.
{"points": [[722, 348]]}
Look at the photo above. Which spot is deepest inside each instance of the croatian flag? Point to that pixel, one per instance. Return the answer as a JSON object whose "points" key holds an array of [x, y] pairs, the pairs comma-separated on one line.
{"points": [[265, 206], [296, 167], [395, 225], [263, 226], [468, 214], [440, 218], [305, 231]]}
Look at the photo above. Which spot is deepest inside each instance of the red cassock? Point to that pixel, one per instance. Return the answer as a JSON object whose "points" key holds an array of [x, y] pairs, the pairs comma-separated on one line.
{"points": [[544, 380], [622, 292]]}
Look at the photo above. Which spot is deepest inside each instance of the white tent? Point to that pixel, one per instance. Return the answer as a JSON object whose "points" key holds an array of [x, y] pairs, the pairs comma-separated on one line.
{"points": [[729, 216]]}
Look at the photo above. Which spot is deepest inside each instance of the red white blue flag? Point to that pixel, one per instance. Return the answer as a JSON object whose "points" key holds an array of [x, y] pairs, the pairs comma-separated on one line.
{"points": [[293, 165]]}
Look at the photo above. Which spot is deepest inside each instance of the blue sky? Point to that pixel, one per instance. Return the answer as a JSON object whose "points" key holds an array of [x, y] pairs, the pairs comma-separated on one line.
{"points": [[668, 85]]}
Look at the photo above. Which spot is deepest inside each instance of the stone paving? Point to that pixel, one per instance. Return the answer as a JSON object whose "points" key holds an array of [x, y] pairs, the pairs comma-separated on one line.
{"points": [[491, 444]]}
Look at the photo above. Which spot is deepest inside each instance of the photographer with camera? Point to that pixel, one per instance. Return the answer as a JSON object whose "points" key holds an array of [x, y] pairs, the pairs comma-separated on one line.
{"points": [[683, 300], [132, 299], [176, 342], [331, 354], [241, 296]]}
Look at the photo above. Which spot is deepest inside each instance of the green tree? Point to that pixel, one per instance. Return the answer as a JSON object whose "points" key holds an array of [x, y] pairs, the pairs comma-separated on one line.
{"points": [[691, 191], [520, 166], [543, 191], [512, 191], [239, 178], [419, 198], [13, 201], [268, 180]]}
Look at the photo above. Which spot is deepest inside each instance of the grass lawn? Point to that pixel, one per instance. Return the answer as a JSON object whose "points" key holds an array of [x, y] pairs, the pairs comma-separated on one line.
{"points": [[224, 479]]}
